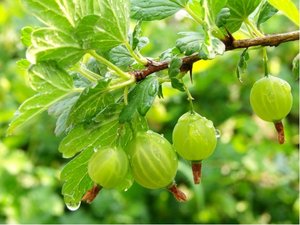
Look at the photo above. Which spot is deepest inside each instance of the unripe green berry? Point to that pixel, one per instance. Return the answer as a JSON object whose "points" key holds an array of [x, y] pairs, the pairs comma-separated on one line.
{"points": [[271, 98], [194, 137], [153, 160], [108, 167]]}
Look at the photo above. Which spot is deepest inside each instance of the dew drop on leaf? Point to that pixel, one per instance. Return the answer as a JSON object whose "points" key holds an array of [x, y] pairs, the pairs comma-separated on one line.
{"points": [[73, 206], [218, 133]]}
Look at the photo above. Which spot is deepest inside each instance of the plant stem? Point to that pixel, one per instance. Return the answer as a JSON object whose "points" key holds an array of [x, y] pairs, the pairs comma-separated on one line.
{"points": [[120, 85], [111, 66], [91, 76], [139, 58], [126, 95], [190, 98], [265, 59], [253, 28]]}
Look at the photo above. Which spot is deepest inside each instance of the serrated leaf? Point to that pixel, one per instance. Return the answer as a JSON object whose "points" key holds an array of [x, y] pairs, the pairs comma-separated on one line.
{"points": [[266, 12], [120, 56], [148, 10], [23, 64], [289, 9], [107, 29], [75, 177], [84, 136], [140, 98], [196, 6], [91, 101], [53, 44], [53, 13], [174, 67], [177, 84], [242, 64], [239, 11], [54, 85], [190, 42], [61, 111], [26, 35]]}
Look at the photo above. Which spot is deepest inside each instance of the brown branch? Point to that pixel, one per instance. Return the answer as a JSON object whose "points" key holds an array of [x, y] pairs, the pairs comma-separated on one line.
{"points": [[187, 61]]}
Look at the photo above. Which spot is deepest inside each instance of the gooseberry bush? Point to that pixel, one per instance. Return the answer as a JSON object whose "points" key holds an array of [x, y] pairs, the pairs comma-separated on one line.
{"points": [[86, 65]]}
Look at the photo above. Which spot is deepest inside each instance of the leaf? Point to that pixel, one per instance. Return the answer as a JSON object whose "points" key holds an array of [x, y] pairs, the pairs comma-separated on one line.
{"points": [[288, 8], [26, 35], [242, 65], [177, 84], [148, 10], [54, 85], [138, 42], [222, 17], [140, 98], [266, 12], [120, 56], [76, 179], [211, 47], [91, 101], [215, 6], [174, 67], [239, 12], [190, 42], [61, 111], [53, 44], [53, 13], [107, 29]]}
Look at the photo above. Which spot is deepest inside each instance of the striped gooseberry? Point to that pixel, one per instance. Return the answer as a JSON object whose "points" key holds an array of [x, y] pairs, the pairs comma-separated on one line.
{"points": [[153, 162], [271, 100], [108, 167], [194, 139]]}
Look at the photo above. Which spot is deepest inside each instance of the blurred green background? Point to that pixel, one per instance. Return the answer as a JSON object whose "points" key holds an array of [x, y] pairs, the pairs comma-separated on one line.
{"points": [[249, 179]]}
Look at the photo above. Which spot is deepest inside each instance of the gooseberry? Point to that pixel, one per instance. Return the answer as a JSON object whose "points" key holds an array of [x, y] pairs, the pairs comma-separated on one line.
{"points": [[153, 162], [194, 139], [108, 167], [271, 100]]}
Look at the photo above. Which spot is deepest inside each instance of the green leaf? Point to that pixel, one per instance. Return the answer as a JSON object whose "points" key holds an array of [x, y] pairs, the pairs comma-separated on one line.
{"points": [[174, 67], [222, 17], [138, 42], [91, 101], [54, 85], [190, 42], [242, 65], [61, 111], [148, 10], [215, 6], [76, 179], [26, 35], [107, 29], [177, 84], [140, 98], [53, 44], [288, 8], [239, 12], [53, 13], [266, 12], [120, 56]]}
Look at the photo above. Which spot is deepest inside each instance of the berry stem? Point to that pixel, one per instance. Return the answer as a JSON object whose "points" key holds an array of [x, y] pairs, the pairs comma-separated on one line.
{"points": [[91, 194], [197, 168], [280, 131], [179, 195]]}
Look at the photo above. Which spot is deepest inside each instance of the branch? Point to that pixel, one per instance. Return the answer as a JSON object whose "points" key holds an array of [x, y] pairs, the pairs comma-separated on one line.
{"points": [[231, 44]]}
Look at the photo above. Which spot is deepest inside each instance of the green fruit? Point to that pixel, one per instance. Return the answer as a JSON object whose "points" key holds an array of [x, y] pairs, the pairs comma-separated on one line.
{"points": [[271, 98], [108, 167], [194, 137], [153, 160]]}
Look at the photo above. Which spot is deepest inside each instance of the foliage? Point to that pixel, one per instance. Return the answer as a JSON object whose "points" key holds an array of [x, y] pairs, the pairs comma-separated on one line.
{"points": [[72, 68]]}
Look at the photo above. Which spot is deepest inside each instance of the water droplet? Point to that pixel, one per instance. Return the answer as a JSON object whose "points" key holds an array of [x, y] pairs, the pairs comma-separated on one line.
{"points": [[218, 133], [73, 206], [209, 124], [95, 149], [126, 189]]}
